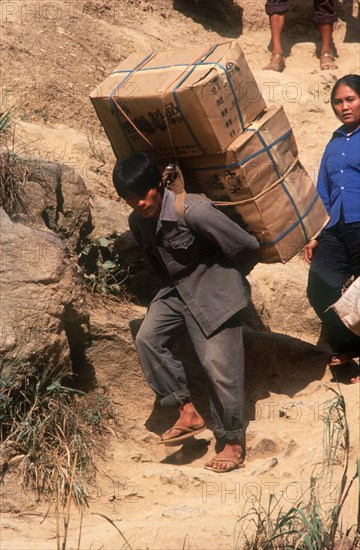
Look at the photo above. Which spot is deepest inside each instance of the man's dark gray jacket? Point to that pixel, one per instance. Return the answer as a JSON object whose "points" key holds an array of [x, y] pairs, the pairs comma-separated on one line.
{"points": [[204, 257]]}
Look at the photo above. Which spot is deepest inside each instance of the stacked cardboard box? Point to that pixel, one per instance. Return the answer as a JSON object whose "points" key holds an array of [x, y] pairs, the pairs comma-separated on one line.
{"points": [[202, 105], [261, 175], [178, 103]]}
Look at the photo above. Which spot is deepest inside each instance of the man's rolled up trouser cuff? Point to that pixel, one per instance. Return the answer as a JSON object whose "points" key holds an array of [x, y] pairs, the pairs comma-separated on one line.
{"points": [[230, 436], [324, 18], [176, 398], [276, 7]]}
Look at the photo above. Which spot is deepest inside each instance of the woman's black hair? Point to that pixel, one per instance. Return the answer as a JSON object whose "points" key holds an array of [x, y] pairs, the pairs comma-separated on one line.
{"points": [[136, 175], [350, 80]]}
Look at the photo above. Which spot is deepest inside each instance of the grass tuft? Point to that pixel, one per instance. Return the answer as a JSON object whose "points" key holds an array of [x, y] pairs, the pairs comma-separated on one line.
{"points": [[13, 176], [50, 427], [307, 525]]}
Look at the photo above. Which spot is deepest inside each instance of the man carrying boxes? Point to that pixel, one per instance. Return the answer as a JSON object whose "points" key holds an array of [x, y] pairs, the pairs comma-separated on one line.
{"points": [[202, 106], [202, 258]]}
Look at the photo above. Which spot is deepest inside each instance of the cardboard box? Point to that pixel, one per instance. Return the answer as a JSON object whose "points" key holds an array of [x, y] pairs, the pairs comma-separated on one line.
{"points": [[187, 102], [348, 307], [273, 194]]}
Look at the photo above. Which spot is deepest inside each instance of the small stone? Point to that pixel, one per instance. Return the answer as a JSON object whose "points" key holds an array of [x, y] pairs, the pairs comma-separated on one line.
{"points": [[265, 467], [264, 447], [292, 445]]}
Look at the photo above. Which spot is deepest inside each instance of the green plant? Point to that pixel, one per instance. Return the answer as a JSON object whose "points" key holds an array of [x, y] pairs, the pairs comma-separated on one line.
{"points": [[307, 525], [103, 270], [107, 272]]}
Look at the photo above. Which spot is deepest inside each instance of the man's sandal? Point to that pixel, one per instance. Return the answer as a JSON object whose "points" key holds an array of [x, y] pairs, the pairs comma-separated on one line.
{"points": [[277, 63], [233, 465], [185, 433], [327, 61]]}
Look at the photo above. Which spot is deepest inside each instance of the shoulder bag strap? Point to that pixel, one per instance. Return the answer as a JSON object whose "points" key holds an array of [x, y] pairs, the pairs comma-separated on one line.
{"points": [[180, 204]]}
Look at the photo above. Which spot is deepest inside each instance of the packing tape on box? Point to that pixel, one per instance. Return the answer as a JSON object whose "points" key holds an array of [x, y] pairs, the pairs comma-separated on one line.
{"points": [[188, 70]]}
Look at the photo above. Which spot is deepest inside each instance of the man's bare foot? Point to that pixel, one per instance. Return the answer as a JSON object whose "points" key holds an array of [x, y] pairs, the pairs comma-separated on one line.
{"points": [[189, 423], [355, 380], [230, 458]]}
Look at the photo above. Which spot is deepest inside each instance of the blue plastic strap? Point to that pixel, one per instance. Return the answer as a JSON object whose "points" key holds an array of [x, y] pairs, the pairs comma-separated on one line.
{"points": [[246, 159], [292, 226], [112, 102], [234, 95], [152, 68], [282, 183], [266, 149], [177, 103], [130, 73]]}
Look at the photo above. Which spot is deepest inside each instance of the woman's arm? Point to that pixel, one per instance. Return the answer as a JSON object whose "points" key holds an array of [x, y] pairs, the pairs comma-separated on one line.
{"points": [[309, 250]]}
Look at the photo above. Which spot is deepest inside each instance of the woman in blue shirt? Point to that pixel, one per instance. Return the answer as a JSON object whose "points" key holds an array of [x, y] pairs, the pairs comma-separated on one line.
{"points": [[334, 256]]}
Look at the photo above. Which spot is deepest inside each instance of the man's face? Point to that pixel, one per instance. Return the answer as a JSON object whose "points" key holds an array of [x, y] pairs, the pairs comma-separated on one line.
{"points": [[147, 206]]}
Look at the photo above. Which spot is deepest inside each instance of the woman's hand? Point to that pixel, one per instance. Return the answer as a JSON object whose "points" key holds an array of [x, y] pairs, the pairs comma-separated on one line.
{"points": [[309, 250]]}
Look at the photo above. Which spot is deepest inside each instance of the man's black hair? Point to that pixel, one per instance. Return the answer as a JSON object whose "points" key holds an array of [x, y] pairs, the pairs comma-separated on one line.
{"points": [[136, 175]]}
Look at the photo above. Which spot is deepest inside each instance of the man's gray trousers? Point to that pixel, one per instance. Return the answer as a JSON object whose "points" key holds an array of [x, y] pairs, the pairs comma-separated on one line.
{"points": [[221, 355]]}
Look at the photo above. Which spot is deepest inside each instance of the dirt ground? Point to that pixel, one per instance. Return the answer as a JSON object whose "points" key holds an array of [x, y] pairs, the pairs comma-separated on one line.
{"points": [[53, 54]]}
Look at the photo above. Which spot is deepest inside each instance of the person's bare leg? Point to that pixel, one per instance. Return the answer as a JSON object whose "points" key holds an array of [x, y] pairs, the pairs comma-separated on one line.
{"points": [[188, 418], [327, 60], [277, 61], [230, 458]]}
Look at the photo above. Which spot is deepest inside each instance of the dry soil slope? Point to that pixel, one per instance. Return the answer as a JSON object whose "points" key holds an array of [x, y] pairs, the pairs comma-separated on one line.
{"points": [[52, 58]]}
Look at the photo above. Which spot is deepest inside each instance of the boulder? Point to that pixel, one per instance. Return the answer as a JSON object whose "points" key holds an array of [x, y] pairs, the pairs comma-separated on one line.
{"points": [[40, 296], [53, 196], [279, 301], [110, 220]]}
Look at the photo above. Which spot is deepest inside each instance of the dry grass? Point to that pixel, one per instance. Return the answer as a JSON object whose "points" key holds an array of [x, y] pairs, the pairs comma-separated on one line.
{"points": [[308, 525], [13, 176], [50, 427]]}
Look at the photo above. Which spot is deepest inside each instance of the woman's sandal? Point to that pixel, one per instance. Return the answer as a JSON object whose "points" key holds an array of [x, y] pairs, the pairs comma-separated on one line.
{"points": [[327, 61], [277, 63]]}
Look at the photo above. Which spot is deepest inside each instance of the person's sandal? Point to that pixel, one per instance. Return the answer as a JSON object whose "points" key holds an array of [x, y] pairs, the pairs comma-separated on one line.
{"points": [[341, 359], [327, 62], [277, 63]]}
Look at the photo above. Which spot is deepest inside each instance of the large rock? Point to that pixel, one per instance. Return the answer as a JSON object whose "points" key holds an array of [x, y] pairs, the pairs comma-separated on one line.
{"points": [[279, 301], [110, 220], [39, 299], [54, 197]]}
